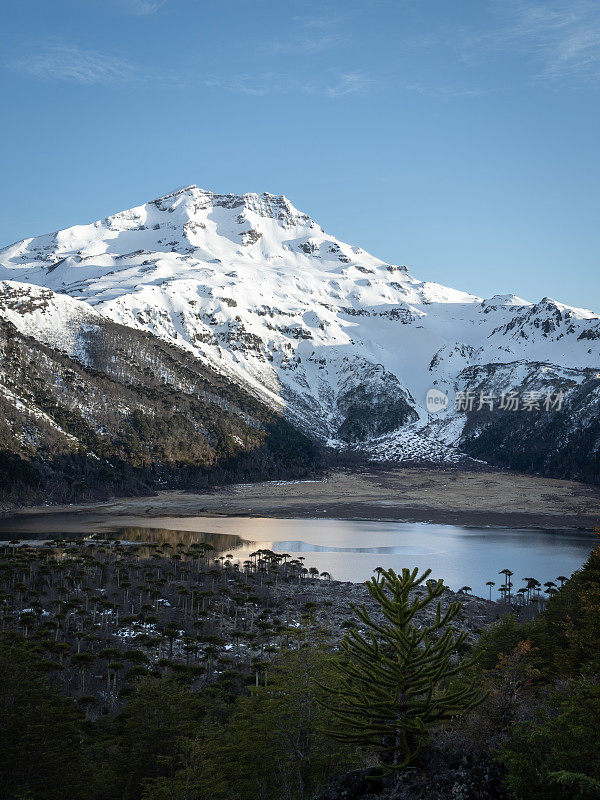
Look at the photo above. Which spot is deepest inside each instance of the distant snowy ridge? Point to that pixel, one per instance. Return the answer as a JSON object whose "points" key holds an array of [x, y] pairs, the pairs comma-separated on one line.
{"points": [[345, 343]]}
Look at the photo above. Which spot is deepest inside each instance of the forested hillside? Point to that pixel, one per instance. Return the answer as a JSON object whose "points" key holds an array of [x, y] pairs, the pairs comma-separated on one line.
{"points": [[562, 442], [130, 415], [156, 672]]}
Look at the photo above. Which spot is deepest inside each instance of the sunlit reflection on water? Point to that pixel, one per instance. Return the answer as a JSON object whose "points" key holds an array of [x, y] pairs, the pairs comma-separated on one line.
{"points": [[348, 550]]}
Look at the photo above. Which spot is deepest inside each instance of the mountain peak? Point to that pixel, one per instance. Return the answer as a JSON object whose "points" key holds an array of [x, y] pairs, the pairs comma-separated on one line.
{"points": [[175, 192], [194, 201], [256, 288]]}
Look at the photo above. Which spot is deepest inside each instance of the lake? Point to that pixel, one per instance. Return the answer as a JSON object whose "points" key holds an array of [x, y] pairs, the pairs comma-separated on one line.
{"points": [[348, 550]]}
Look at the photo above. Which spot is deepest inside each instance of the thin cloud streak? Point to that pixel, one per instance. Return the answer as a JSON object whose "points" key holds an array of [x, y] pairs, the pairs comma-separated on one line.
{"points": [[144, 7], [53, 61], [254, 85], [347, 83], [319, 44], [71, 63], [560, 40], [567, 39], [446, 92], [271, 83]]}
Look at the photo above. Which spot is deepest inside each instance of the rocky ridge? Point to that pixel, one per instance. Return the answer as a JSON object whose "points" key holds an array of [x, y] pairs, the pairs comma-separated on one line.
{"points": [[343, 344]]}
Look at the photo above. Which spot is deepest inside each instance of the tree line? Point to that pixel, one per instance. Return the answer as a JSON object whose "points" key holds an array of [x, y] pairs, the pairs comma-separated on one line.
{"points": [[174, 709]]}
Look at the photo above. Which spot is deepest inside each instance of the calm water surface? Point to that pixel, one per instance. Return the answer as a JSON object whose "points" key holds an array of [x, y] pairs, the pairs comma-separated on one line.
{"points": [[349, 550]]}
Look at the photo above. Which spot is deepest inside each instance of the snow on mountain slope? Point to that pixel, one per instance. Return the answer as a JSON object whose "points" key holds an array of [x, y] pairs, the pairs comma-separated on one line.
{"points": [[345, 342], [54, 319]]}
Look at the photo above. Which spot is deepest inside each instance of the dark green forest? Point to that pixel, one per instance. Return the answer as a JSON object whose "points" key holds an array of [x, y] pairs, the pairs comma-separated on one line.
{"points": [[168, 711]]}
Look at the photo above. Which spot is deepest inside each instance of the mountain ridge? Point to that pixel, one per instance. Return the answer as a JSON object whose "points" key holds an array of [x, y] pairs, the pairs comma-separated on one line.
{"points": [[342, 343]]}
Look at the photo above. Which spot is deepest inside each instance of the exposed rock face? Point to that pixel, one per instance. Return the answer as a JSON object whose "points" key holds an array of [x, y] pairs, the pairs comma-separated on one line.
{"points": [[124, 413], [343, 343]]}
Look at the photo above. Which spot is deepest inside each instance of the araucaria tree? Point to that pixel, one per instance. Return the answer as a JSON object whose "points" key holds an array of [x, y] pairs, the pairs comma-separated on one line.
{"points": [[396, 681]]}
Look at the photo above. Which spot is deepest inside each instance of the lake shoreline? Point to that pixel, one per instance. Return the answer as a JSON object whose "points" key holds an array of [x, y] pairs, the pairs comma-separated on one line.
{"points": [[349, 513], [443, 496]]}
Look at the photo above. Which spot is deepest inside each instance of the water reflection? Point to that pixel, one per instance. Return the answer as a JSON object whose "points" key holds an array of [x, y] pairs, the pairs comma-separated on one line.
{"points": [[307, 547], [222, 542], [348, 550], [351, 550]]}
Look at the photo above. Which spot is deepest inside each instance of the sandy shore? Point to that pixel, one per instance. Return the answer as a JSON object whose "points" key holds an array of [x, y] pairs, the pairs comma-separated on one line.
{"points": [[449, 496]]}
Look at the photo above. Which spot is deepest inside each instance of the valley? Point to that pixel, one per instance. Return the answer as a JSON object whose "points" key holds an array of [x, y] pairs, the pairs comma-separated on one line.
{"points": [[445, 496]]}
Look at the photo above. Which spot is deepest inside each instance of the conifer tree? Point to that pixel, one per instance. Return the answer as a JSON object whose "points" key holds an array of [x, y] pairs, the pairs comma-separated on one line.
{"points": [[395, 682]]}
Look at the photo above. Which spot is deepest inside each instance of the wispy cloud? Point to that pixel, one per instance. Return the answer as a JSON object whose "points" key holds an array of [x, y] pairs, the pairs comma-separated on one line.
{"points": [[250, 84], [56, 61], [143, 7], [449, 91], [274, 83], [309, 44], [71, 63], [345, 84], [349, 83], [557, 40], [565, 37]]}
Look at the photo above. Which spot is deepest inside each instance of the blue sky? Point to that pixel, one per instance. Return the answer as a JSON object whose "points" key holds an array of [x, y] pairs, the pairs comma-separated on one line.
{"points": [[459, 138]]}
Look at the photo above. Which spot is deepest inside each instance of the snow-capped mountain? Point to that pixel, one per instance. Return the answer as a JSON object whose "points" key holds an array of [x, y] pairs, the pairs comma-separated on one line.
{"points": [[344, 343]]}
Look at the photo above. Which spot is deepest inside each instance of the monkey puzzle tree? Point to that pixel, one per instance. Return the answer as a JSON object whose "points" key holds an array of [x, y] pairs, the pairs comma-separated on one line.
{"points": [[395, 682]]}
